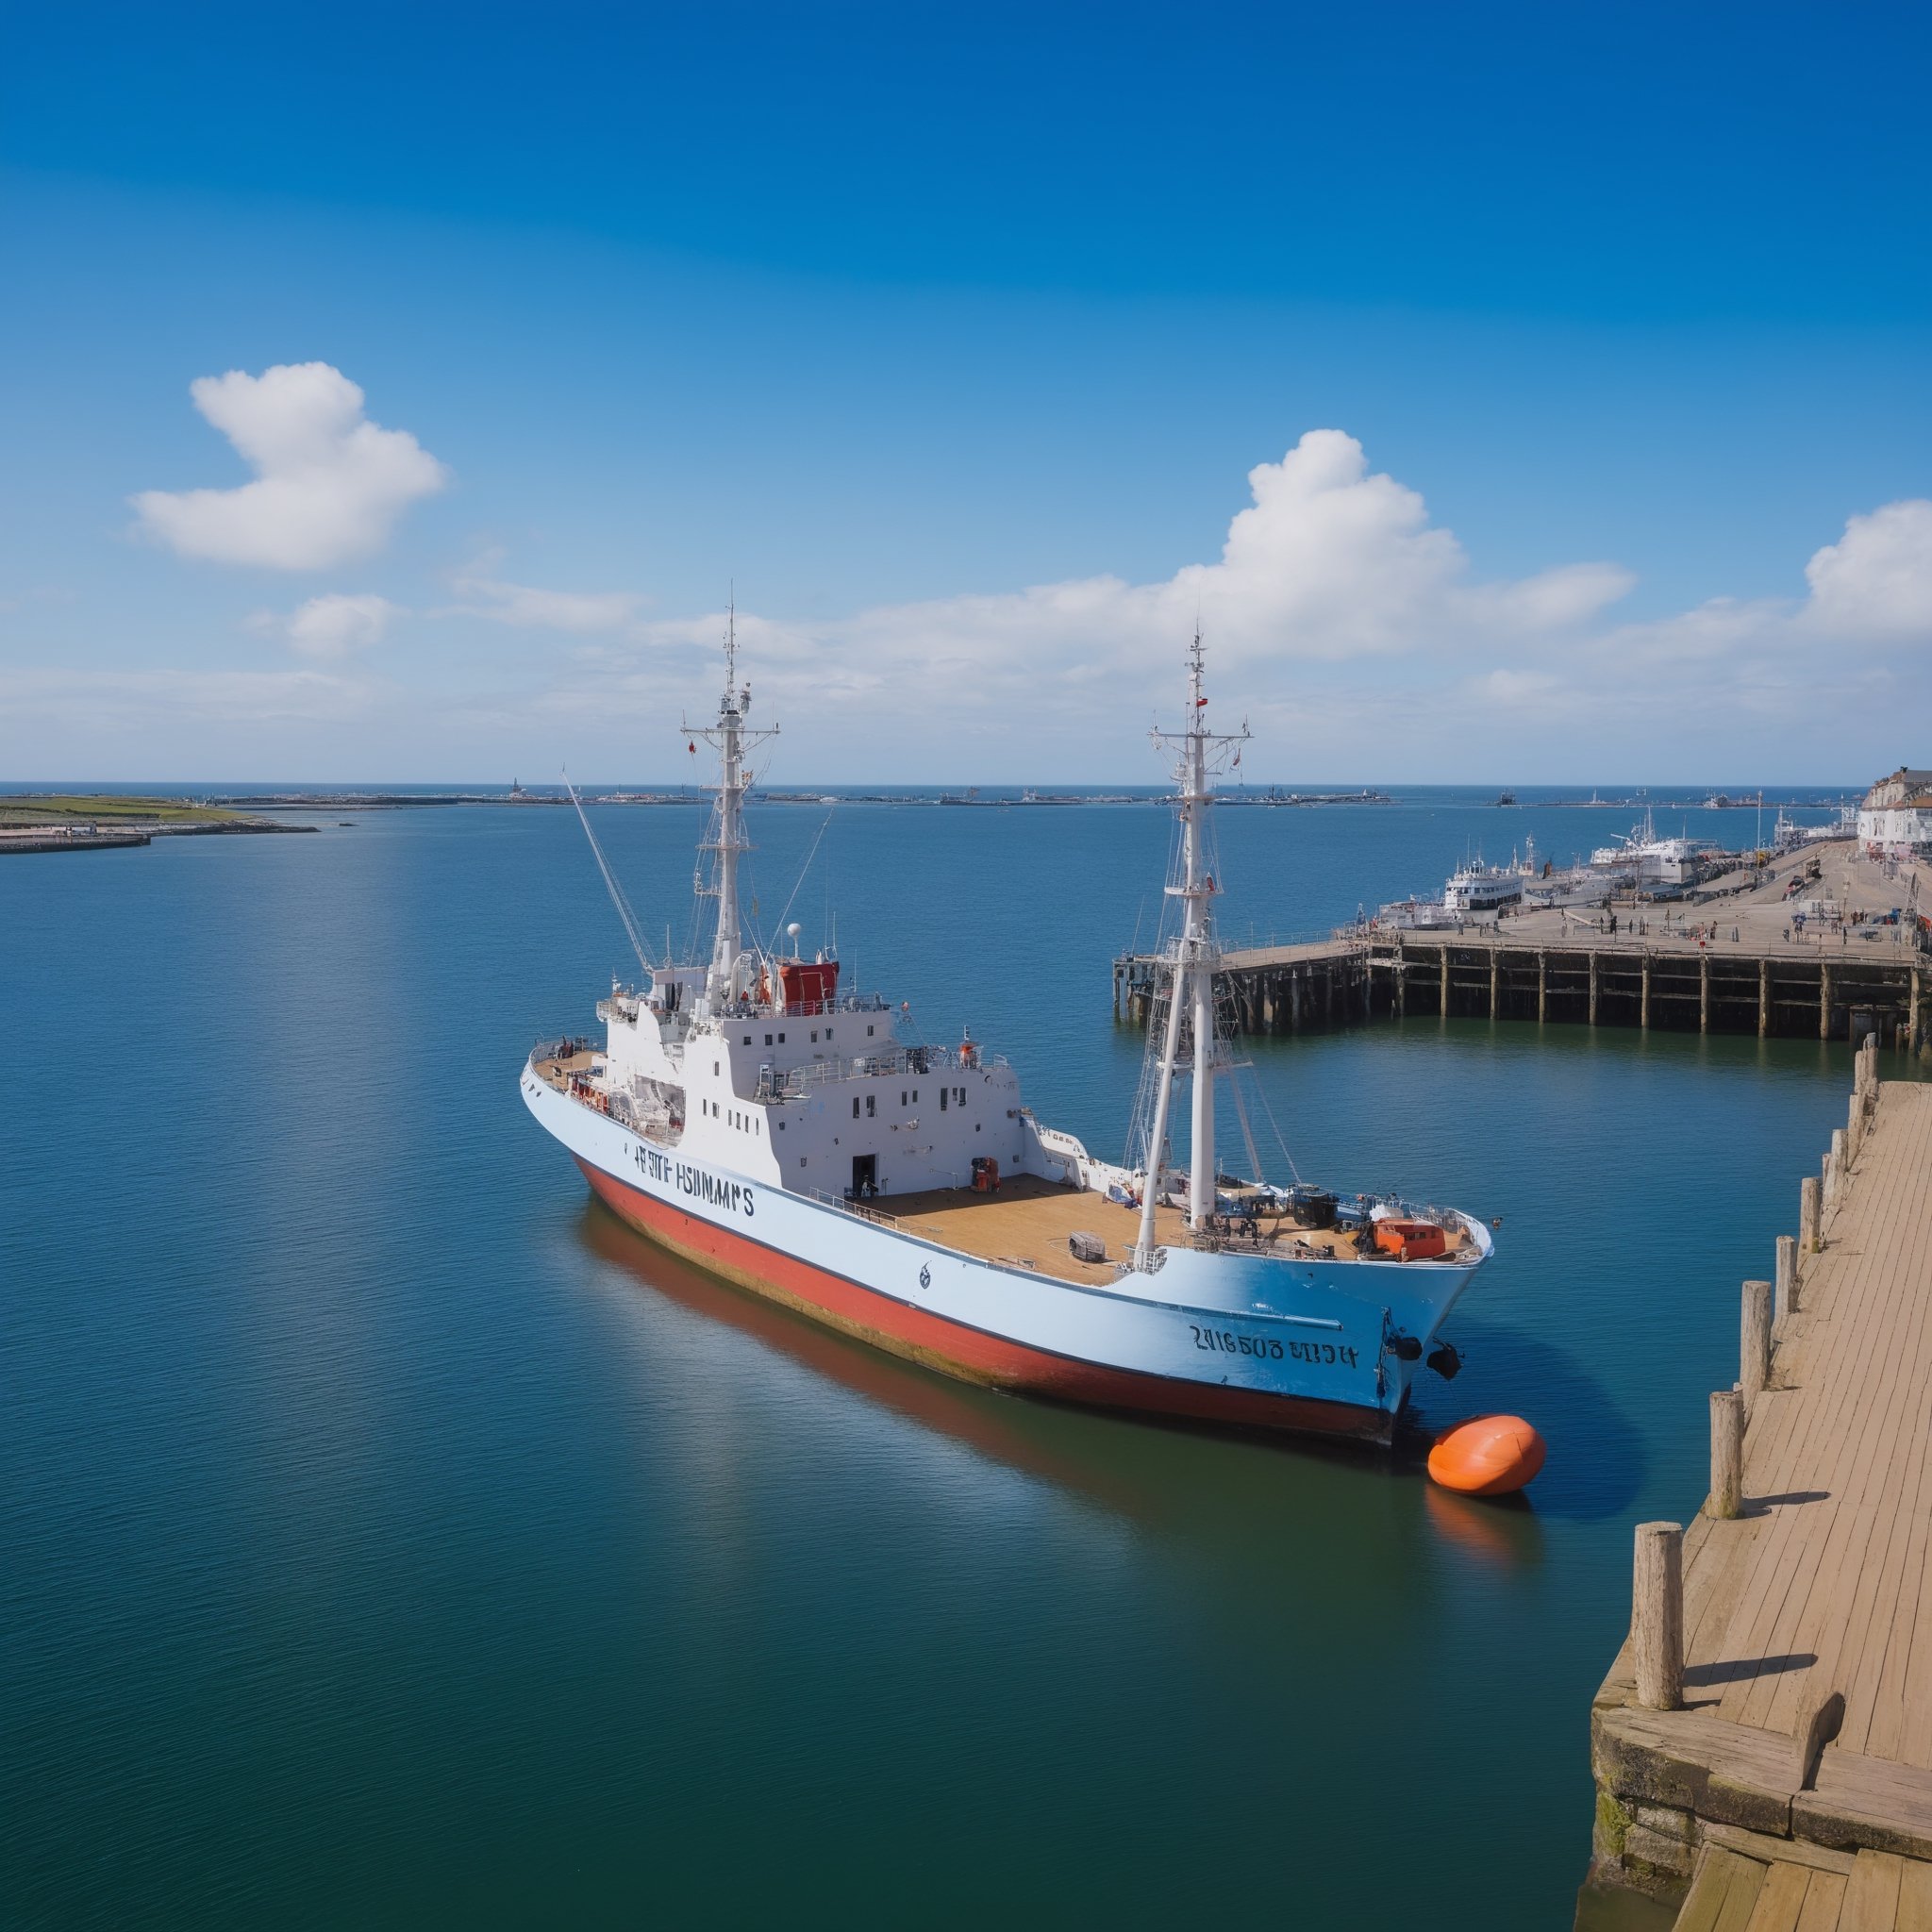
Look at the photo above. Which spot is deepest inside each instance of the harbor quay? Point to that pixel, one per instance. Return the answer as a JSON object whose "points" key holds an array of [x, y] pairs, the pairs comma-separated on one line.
{"points": [[1735, 959], [1761, 1745]]}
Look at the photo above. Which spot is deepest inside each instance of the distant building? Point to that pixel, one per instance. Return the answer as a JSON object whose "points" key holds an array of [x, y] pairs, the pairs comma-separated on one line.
{"points": [[1897, 811]]}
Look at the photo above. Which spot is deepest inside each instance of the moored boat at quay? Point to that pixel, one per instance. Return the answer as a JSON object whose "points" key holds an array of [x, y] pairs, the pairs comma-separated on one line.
{"points": [[792, 1135]]}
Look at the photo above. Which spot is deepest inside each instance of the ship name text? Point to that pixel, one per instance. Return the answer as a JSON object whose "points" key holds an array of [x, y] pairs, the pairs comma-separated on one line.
{"points": [[735, 1196], [1227, 1341]]}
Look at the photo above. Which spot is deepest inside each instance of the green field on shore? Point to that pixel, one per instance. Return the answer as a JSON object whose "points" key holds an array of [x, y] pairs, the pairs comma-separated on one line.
{"points": [[60, 809]]}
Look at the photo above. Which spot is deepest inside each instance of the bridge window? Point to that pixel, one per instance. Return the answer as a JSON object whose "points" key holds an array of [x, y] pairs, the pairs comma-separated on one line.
{"points": [[855, 1107], [872, 1106], [944, 1093], [768, 1040]]}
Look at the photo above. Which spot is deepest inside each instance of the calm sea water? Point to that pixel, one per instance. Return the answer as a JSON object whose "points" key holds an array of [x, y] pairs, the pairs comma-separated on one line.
{"points": [[386, 1533]]}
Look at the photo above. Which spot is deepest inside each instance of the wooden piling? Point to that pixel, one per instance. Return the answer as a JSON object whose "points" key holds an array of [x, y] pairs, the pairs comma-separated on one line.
{"points": [[1643, 1011], [1764, 996], [1785, 1289], [1755, 1340], [1704, 992], [1726, 1453], [1809, 1215], [1542, 986], [1495, 955], [1824, 1001], [1593, 988], [1657, 1615]]}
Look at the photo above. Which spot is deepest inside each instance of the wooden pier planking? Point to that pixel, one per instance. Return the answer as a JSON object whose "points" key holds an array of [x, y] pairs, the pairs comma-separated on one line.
{"points": [[1823, 1586]]}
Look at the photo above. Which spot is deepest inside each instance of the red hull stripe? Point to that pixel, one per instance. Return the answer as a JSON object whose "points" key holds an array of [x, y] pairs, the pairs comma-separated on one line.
{"points": [[956, 1348]]}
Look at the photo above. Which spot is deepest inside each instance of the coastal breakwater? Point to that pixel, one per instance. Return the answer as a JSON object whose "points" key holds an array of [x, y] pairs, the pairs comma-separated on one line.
{"points": [[1763, 1743], [1834, 991]]}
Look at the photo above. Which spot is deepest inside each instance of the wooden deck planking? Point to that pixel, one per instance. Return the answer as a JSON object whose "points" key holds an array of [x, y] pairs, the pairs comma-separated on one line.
{"points": [[1915, 1898], [1724, 1893], [1876, 1363], [1871, 1894], [1820, 1578], [1831, 1562], [1782, 1899], [1824, 1898]]}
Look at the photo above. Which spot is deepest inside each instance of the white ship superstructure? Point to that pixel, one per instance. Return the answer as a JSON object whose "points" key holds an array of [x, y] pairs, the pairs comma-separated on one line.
{"points": [[1653, 862], [1475, 887], [790, 1134]]}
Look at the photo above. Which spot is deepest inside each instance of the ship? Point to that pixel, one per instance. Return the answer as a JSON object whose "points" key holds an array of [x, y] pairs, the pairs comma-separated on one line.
{"points": [[754, 1114], [1475, 887], [1661, 867]]}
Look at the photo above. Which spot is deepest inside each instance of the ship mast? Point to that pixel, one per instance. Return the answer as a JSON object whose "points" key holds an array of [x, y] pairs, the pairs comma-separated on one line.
{"points": [[1193, 960], [726, 977]]}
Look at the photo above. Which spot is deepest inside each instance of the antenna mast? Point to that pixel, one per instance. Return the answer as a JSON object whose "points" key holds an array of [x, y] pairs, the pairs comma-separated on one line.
{"points": [[728, 978], [1194, 959]]}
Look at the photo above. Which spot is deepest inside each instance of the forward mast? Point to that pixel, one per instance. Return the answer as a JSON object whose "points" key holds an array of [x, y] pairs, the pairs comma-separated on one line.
{"points": [[1196, 958], [731, 974]]}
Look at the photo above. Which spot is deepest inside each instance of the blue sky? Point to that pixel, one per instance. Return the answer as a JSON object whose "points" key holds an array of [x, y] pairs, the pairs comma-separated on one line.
{"points": [[1556, 381]]}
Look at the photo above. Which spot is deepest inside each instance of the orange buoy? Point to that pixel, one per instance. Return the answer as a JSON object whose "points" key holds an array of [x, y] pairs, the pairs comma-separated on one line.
{"points": [[1487, 1456]]}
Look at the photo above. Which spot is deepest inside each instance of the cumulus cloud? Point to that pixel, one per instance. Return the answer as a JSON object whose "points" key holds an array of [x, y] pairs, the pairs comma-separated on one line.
{"points": [[1333, 590], [334, 625], [1330, 577], [329, 484], [528, 608], [1330, 562], [1876, 580]]}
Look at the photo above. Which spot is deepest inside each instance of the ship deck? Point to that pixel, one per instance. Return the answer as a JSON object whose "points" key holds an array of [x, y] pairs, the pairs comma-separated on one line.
{"points": [[1028, 1223]]}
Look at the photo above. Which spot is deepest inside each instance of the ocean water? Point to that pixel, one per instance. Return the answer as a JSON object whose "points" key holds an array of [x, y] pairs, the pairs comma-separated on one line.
{"points": [[387, 1534]]}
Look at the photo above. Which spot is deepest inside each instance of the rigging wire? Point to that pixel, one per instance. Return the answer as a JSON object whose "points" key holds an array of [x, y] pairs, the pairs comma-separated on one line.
{"points": [[1262, 1094], [617, 898], [803, 871]]}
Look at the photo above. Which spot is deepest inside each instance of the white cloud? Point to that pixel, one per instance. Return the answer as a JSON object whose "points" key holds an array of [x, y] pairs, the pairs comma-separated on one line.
{"points": [[329, 484], [1876, 580], [334, 625], [1329, 564], [528, 608], [1336, 611], [1333, 591]]}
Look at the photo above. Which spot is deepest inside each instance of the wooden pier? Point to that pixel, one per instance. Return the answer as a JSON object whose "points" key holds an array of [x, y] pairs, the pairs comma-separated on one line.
{"points": [[1841, 989], [1764, 1738]]}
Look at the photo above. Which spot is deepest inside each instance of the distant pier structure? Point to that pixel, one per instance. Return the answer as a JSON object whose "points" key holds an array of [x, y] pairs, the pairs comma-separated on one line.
{"points": [[1835, 990]]}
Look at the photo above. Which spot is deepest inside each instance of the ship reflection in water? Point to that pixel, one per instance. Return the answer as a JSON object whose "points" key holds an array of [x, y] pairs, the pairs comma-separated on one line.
{"points": [[1256, 1500]]}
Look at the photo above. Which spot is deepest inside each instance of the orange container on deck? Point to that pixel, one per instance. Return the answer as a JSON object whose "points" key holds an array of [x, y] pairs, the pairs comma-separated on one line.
{"points": [[1411, 1241], [1487, 1456]]}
